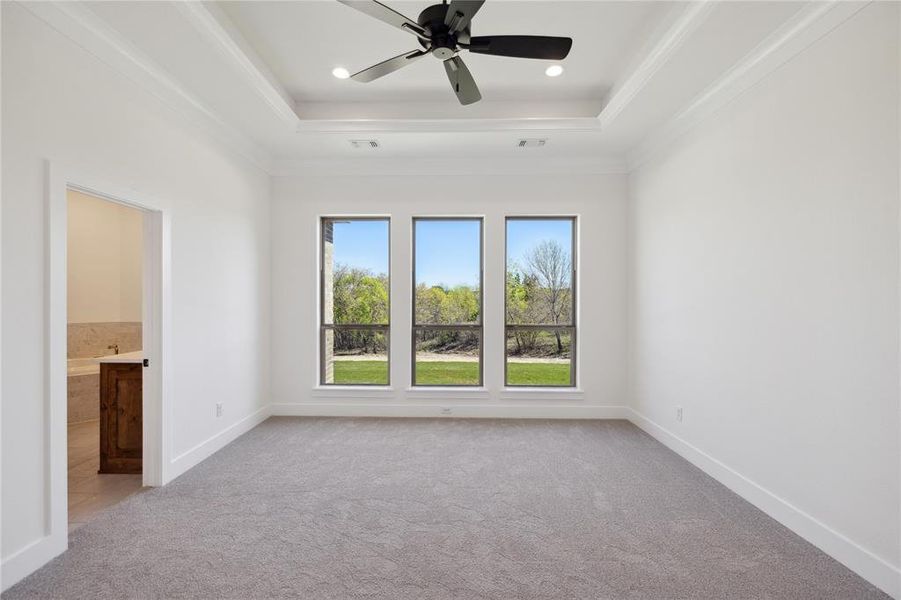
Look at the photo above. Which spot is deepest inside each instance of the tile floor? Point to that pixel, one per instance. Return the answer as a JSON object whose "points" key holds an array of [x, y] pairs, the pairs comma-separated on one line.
{"points": [[89, 491]]}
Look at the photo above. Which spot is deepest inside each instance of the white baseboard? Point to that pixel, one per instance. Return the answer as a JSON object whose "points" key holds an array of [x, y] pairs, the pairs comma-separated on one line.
{"points": [[29, 559], [473, 411], [857, 558], [207, 448]]}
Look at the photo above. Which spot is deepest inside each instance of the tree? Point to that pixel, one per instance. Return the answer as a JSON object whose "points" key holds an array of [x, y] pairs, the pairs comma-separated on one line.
{"points": [[440, 305], [460, 305], [429, 300], [362, 298], [519, 290], [359, 296], [549, 264]]}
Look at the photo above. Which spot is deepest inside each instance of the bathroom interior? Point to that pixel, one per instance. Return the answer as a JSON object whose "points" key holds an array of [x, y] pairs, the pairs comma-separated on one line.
{"points": [[104, 354]]}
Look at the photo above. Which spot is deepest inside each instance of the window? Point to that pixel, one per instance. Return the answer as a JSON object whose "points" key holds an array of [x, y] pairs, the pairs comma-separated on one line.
{"points": [[355, 293], [540, 302], [447, 301]]}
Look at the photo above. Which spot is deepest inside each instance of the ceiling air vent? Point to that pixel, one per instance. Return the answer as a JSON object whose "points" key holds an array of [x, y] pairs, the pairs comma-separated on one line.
{"points": [[364, 143], [532, 143]]}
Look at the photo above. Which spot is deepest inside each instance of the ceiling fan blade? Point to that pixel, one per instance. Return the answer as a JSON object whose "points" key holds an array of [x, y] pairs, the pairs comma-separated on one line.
{"points": [[388, 66], [461, 80], [522, 46], [385, 14], [460, 13]]}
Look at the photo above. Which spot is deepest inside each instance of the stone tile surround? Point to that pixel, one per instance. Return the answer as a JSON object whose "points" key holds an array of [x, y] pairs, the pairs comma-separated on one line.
{"points": [[86, 340], [83, 393]]}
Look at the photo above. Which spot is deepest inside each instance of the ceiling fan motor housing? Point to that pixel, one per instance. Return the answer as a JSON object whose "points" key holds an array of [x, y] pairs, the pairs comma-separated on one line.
{"points": [[443, 44]]}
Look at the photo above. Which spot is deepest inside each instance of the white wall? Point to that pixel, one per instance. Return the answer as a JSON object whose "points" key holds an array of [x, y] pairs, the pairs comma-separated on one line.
{"points": [[598, 200], [763, 253], [105, 253], [765, 274], [60, 103]]}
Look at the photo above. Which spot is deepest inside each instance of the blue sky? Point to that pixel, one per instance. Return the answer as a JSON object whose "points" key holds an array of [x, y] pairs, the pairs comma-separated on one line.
{"points": [[447, 252], [525, 234], [362, 244]]}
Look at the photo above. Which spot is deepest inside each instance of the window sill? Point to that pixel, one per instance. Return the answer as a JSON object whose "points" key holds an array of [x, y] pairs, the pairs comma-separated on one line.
{"points": [[447, 392], [444, 388], [353, 391], [542, 393]]}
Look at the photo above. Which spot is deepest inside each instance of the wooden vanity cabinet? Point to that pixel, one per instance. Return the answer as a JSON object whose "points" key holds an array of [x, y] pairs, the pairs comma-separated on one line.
{"points": [[121, 420]]}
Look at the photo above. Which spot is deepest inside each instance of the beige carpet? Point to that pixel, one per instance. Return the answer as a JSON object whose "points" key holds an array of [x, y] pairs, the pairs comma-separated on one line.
{"points": [[421, 509]]}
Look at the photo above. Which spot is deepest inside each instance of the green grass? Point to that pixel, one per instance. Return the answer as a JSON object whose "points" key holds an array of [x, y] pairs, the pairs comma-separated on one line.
{"points": [[450, 373], [361, 371], [538, 373], [447, 373]]}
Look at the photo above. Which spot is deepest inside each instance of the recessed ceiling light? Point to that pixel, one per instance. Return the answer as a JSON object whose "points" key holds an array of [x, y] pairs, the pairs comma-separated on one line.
{"points": [[340, 73], [553, 71]]}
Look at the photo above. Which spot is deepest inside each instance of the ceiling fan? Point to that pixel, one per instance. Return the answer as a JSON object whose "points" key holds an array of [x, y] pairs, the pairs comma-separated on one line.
{"points": [[443, 31]]}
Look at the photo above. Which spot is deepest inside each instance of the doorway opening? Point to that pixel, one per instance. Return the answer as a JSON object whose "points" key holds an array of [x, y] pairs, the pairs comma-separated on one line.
{"points": [[156, 336], [104, 353]]}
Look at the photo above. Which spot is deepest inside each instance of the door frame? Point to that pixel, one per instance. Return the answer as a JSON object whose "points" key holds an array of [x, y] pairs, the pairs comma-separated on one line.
{"points": [[157, 265]]}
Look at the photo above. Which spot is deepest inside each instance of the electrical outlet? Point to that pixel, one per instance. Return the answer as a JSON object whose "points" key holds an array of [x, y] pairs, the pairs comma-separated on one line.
{"points": [[679, 413], [218, 409], [445, 410]]}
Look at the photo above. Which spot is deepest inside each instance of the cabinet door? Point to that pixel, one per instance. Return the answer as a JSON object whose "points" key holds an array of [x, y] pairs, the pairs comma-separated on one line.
{"points": [[121, 422]]}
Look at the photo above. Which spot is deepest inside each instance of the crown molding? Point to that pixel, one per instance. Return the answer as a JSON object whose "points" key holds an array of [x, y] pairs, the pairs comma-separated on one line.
{"points": [[812, 22], [679, 29], [531, 165], [447, 125], [576, 107], [223, 36], [90, 32]]}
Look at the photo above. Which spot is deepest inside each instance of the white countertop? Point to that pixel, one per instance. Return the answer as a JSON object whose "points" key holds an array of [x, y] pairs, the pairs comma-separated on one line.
{"points": [[125, 357]]}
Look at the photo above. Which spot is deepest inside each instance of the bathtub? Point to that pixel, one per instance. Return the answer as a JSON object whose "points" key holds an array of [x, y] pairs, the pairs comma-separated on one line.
{"points": [[83, 390], [82, 366]]}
